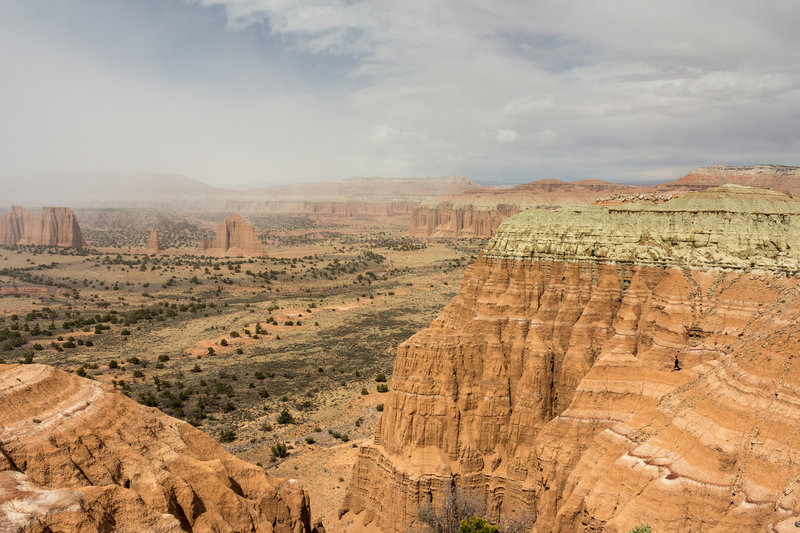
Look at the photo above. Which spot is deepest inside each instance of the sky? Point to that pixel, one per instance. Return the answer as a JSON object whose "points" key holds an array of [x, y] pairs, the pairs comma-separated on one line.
{"points": [[252, 92]]}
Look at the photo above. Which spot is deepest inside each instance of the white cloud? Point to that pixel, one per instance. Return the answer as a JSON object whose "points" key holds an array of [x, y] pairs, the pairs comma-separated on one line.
{"points": [[506, 136]]}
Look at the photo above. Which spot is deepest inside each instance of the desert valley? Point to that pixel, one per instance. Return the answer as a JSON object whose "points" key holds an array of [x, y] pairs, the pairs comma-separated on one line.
{"points": [[554, 356]]}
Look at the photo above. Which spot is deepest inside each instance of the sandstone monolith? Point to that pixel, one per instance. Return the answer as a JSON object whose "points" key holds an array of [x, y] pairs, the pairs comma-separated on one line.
{"points": [[55, 226], [234, 238]]}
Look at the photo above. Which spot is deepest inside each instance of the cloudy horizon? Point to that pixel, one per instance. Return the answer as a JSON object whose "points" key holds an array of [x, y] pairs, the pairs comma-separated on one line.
{"points": [[254, 92]]}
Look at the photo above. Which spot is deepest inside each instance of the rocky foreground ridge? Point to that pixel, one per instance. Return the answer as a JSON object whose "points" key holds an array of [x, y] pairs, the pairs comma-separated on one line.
{"points": [[56, 226], [477, 213], [235, 237], [547, 388], [75, 456]]}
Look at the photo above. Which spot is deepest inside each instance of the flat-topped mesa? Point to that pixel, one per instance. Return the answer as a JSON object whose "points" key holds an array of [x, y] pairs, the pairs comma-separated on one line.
{"points": [[235, 238], [55, 226], [597, 371], [773, 177], [729, 227], [478, 212], [76, 455], [153, 246]]}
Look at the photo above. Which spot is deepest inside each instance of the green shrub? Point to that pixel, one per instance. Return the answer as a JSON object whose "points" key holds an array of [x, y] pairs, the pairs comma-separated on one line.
{"points": [[382, 387], [285, 417], [476, 525], [279, 450], [227, 435], [381, 378], [642, 528]]}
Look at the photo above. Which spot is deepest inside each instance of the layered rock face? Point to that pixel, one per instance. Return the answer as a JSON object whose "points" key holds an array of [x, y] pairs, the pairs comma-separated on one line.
{"points": [[235, 238], [547, 388], [478, 213], [56, 226], [153, 243], [773, 177], [75, 456]]}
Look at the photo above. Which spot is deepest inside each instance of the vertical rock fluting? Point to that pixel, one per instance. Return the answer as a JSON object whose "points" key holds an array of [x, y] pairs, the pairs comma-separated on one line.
{"points": [[234, 238], [56, 226], [75, 456], [547, 388], [153, 243]]}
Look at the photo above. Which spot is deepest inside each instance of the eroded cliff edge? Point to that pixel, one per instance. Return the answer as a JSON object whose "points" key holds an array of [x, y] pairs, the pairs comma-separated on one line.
{"points": [[75, 456], [547, 386]]}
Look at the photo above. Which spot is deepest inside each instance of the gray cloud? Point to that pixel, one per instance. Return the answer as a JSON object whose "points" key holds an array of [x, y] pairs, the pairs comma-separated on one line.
{"points": [[258, 90]]}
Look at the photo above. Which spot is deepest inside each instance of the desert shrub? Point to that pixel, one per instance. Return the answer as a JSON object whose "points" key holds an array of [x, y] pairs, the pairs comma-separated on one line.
{"points": [[475, 524], [228, 407], [364, 391], [285, 417], [381, 378], [227, 435], [642, 528], [113, 364], [223, 342], [382, 387], [279, 450], [379, 407], [125, 332], [310, 440], [163, 358], [196, 368]]}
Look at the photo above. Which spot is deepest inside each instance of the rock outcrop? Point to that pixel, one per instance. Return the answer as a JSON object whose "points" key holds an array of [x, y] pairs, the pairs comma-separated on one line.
{"points": [[56, 226], [235, 238], [76, 456], [547, 388], [773, 177], [478, 213], [153, 243]]}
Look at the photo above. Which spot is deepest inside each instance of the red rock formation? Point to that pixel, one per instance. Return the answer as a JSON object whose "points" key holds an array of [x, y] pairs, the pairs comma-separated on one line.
{"points": [[547, 388], [56, 226], [772, 177], [235, 238], [153, 244], [478, 212], [75, 456]]}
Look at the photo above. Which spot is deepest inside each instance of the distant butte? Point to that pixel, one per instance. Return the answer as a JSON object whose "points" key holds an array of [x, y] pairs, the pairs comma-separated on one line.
{"points": [[478, 212], [153, 244], [235, 238], [56, 226]]}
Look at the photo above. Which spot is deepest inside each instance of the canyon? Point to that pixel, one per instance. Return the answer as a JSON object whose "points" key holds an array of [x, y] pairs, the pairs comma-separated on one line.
{"points": [[478, 212], [235, 237], [55, 226], [76, 455], [604, 367]]}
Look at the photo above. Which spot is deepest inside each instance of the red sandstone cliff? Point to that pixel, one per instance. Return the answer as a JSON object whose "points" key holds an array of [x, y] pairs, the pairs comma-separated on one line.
{"points": [[56, 226], [773, 177], [235, 238], [75, 456], [546, 387]]}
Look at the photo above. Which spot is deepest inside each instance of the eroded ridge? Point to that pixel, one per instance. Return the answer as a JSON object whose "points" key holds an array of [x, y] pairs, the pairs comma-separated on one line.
{"points": [[75, 456], [548, 388]]}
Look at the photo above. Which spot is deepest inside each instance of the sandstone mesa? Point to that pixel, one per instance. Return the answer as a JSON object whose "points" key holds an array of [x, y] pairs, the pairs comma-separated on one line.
{"points": [[547, 388]]}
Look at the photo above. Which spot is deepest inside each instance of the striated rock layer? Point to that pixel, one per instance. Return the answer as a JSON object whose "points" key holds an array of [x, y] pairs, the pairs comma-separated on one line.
{"points": [[547, 388], [774, 177], [235, 238], [478, 213], [75, 456], [56, 226]]}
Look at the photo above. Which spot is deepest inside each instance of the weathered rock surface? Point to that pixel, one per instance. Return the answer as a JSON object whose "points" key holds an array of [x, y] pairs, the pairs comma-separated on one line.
{"points": [[774, 177], [477, 213], [235, 238], [56, 226], [153, 243], [546, 387], [75, 456]]}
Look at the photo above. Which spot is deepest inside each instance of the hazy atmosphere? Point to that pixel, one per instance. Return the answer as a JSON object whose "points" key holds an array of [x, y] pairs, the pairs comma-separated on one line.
{"points": [[250, 92]]}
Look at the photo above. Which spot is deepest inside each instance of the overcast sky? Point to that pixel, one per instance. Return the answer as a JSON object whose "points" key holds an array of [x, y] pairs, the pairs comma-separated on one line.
{"points": [[236, 92]]}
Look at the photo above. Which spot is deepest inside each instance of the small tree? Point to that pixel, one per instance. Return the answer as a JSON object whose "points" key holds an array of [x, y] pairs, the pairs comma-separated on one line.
{"points": [[476, 525], [285, 417]]}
